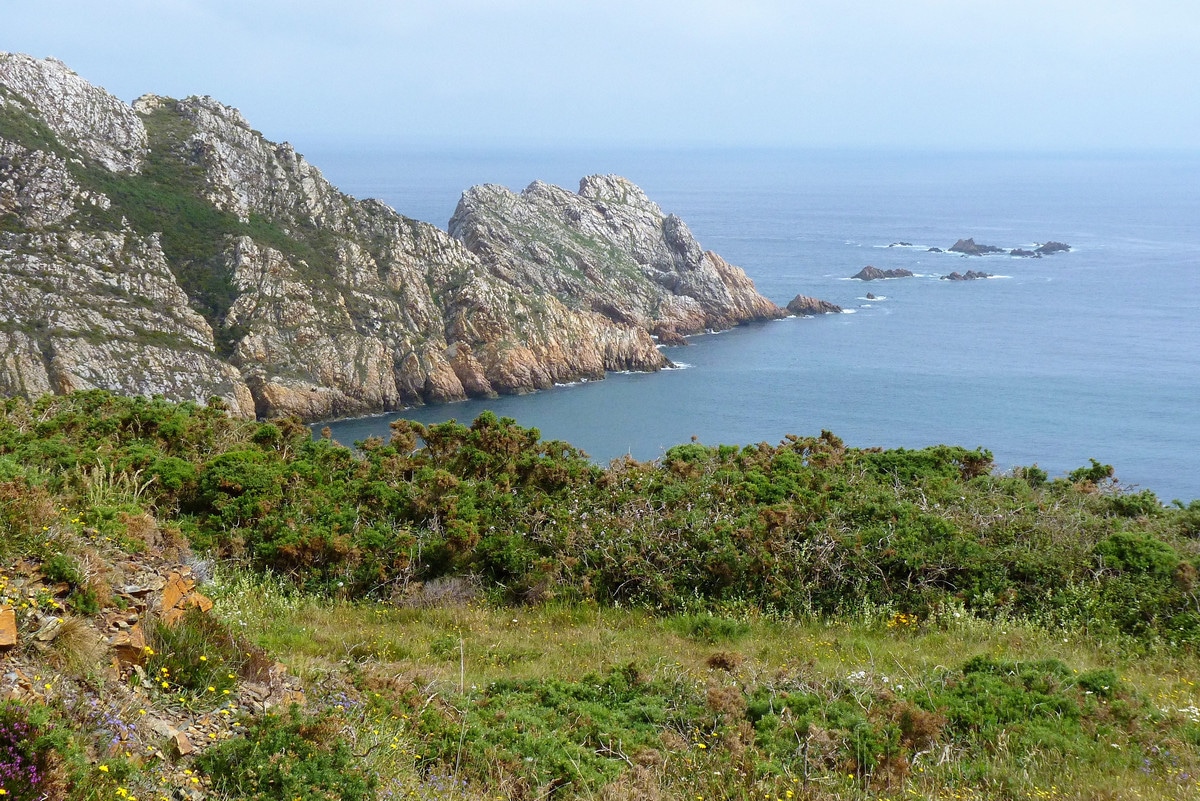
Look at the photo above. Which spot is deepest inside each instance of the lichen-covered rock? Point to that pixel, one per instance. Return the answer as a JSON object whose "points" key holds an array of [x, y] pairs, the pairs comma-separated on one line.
{"points": [[84, 117]]}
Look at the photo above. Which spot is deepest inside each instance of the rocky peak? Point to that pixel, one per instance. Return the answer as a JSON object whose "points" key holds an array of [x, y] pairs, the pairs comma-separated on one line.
{"points": [[615, 189], [82, 116], [610, 249]]}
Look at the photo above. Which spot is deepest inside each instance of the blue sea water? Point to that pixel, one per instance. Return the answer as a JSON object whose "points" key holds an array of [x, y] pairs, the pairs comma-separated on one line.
{"points": [[1088, 354]]}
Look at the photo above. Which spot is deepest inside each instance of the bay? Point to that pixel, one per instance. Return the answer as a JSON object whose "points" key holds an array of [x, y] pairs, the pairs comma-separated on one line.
{"points": [[1087, 354]]}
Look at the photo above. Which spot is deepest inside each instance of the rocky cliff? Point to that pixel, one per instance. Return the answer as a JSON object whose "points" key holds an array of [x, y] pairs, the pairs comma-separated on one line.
{"points": [[168, 248]]}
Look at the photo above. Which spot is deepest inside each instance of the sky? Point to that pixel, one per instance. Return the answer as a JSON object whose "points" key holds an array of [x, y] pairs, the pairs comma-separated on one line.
{"points": [[1061, 75]]}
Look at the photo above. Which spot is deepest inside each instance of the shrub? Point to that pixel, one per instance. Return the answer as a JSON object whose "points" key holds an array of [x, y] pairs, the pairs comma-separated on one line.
{"points": [[200, 656], [28, 765], [295, 756]]}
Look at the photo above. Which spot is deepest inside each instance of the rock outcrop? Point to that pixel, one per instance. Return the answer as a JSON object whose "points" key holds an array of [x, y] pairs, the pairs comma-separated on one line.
{"points": [[870, 273], [970, 248], [1052, 247], [609, 251], [969, 275], [167, 248], [806, 306]]}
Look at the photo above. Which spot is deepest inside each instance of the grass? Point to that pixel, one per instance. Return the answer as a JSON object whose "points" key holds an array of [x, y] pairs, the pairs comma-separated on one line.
{"points": [[421, 678]]}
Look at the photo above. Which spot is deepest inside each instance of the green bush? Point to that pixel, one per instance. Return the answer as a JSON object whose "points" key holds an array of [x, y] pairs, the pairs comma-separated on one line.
{"points": [[296, 757], [200, 657]]}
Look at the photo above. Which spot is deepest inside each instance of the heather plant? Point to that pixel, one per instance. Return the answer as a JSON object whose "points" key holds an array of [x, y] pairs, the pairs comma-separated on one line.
{"points": [[28, 770]]}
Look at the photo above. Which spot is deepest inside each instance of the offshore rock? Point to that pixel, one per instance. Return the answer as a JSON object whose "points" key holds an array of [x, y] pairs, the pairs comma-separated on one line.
{"points": [[252, 279], [1052, 247], [969, 275], [970, 248], [870, 273], [804, 305]]}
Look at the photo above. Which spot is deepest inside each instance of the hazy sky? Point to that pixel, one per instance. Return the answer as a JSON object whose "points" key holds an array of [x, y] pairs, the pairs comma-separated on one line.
{"points": [[1058, 74]]}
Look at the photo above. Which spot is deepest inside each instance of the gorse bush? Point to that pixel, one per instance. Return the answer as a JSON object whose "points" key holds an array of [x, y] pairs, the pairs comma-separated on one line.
{"points": [[806, 526]]}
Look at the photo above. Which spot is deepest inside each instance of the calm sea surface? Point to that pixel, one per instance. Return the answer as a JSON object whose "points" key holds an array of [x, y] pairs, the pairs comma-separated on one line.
{"points": [[1093, 353]]}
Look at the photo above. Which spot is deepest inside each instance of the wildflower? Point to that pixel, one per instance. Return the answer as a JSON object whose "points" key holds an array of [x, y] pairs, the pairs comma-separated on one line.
{"points": [[103, 768], [203, 658]]}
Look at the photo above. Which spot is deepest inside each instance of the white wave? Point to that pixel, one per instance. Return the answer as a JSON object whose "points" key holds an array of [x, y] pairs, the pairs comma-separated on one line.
{"points": [[877, 297], [849, 311], [679, 366]]}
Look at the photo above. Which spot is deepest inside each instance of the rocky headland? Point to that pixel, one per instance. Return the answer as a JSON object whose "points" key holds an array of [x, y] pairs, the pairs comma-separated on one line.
{"points": [[167, 248], [870, 273]]}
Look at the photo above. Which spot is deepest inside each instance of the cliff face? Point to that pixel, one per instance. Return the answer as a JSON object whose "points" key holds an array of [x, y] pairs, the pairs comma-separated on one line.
{"points": [[168, 248], [610, 250]]}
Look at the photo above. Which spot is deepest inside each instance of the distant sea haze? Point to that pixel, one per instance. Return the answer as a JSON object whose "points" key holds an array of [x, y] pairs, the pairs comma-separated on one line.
{"points": [[1093, 353]]}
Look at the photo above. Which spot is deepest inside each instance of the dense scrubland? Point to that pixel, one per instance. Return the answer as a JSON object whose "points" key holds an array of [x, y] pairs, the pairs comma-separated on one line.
{"points": [[476, 613]]}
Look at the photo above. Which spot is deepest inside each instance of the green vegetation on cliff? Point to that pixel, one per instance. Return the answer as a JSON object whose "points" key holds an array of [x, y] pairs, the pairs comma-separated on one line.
{"points": [[479, 613]]}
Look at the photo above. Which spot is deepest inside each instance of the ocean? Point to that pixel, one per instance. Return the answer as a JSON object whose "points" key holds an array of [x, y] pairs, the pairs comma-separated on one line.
{"points": [[1088, 354]]}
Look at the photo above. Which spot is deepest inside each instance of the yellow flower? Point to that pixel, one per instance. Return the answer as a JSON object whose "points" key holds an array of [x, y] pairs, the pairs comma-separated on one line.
{"points": [[103, 768], [203, 658], [212, 689], [165, 685]]}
